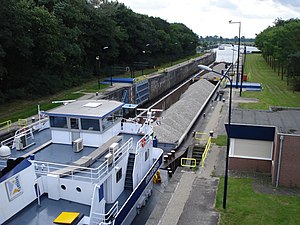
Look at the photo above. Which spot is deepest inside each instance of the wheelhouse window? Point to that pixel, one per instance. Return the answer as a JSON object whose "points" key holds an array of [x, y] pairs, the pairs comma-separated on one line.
{"points": [[117, 115], [119, 175], [90, 124], [58, 122], [107, 122], [74, 122]]}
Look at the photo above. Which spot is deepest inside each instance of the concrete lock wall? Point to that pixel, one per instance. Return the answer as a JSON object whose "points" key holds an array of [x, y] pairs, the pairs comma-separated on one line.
{"points": [[170, 77], [174, 75]]}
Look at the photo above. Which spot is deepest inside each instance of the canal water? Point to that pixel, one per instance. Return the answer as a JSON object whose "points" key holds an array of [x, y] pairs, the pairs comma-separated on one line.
{"points": [[229, 54]]}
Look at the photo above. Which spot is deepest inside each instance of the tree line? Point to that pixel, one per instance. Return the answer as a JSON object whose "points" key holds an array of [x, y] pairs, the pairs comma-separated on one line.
{"points": [[280, 46], [209, 42], [50, 45]]}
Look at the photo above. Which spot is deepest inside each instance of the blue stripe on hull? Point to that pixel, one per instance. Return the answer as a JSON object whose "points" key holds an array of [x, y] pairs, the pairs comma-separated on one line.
{"points": [[137, 192]]}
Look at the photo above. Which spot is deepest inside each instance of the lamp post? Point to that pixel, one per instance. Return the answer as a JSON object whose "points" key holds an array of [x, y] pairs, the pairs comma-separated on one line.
{"points": [[232, 58], [229, 125], [172, 57], [243, 67], [98, 59], [238, 57]]}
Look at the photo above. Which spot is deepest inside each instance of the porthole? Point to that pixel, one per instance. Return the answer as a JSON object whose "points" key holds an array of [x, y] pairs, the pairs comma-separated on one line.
{"points": [[78, 189], [63, 187]]}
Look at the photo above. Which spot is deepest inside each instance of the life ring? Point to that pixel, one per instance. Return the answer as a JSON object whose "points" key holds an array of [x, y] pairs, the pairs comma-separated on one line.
{"points": [[24, 130], [143, 142]]}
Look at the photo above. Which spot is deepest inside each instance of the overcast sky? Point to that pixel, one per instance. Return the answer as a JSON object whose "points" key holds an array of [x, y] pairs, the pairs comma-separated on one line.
{"points": [[210, 17]]}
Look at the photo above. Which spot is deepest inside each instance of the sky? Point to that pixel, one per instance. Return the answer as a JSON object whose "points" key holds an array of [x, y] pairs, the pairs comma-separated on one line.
{"points": [[211, 17]]}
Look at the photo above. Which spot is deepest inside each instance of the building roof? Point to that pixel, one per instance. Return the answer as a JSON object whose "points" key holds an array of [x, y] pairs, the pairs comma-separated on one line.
{"points": [[287, 120], [86, 108]]}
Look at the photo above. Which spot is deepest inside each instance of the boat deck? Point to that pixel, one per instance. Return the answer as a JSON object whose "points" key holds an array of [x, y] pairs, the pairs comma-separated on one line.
{"points": [[62, 153], [46, 212]]}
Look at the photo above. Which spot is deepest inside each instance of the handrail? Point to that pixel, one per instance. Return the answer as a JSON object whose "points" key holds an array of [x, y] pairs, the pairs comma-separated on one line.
{"points": [[24, 130], [92, 175], [145, 140], [22, 122], [8, 124], [205, 153], [192, 162], [103, 219]]}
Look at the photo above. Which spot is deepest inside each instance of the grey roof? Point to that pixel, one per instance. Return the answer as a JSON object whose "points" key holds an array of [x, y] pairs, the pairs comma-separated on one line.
{"points": [[87, 108], [286, 120], [178, 117]]}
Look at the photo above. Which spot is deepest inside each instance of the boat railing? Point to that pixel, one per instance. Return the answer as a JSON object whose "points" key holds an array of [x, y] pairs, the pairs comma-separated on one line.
{"points": [[121, 152], [107, 218], [145, 140], [27, 131], [74, 172], [93, 175]]}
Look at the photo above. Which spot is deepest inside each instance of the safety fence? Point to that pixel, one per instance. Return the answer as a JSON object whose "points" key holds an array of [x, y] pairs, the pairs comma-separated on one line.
{"points": [[5, 125]]}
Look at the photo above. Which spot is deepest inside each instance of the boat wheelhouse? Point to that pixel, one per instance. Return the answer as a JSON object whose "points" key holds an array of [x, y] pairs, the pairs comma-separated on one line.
{"points": [[82, 163]]}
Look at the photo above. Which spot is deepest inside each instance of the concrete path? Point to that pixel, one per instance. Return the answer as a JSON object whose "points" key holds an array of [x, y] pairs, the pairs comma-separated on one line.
{"points": [[190, 196]]}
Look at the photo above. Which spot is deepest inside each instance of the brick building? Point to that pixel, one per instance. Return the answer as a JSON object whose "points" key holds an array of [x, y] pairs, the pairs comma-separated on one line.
{"points": [[267, 142]]}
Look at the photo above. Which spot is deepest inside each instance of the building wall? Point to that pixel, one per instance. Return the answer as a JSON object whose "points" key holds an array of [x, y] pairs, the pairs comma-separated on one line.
{"points": [[289, 174], [252, 165]]}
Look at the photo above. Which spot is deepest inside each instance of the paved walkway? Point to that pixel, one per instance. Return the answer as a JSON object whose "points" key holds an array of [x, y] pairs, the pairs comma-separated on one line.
{"points": [[190, 196]]}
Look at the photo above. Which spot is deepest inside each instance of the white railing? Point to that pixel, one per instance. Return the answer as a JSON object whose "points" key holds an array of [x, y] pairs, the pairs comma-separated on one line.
{"points": [[93, 175], [145, 140], [10, 142], [121, 152], [75, 172], [107, 218]]}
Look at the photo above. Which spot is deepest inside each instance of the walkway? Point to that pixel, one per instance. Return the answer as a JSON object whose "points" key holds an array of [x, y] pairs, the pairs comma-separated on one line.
{"points": [[190, 196]]}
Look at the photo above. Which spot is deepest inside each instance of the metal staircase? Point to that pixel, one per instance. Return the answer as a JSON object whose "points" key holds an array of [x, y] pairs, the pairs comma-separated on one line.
{"points": [[130, 165], [197, 153]]}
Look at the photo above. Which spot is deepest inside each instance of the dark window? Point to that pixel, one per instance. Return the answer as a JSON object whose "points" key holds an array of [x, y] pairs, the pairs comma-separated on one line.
{"points": [[106, 122], [78, 189], [118, 114], [146, 155], [74, 123], [63, 187], [90, 124], [57, 121], [119, 175]]}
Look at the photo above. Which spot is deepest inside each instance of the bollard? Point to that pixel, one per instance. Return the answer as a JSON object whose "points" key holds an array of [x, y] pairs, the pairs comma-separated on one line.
{"points": [[32, 119], [211, 133], [166, 158], [97, 93], [170, 173], [31, 156], [173, 153]]}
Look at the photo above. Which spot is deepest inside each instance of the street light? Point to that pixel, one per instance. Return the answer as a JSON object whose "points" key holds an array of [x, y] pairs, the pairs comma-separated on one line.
{"points": [[175, 44], [232, 57], [98, 60], [229, 125], [238, 57]]}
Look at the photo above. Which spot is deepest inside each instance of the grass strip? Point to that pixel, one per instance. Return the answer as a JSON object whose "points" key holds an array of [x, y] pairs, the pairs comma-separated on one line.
{"points": [[275, 91], [247, 207]]}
